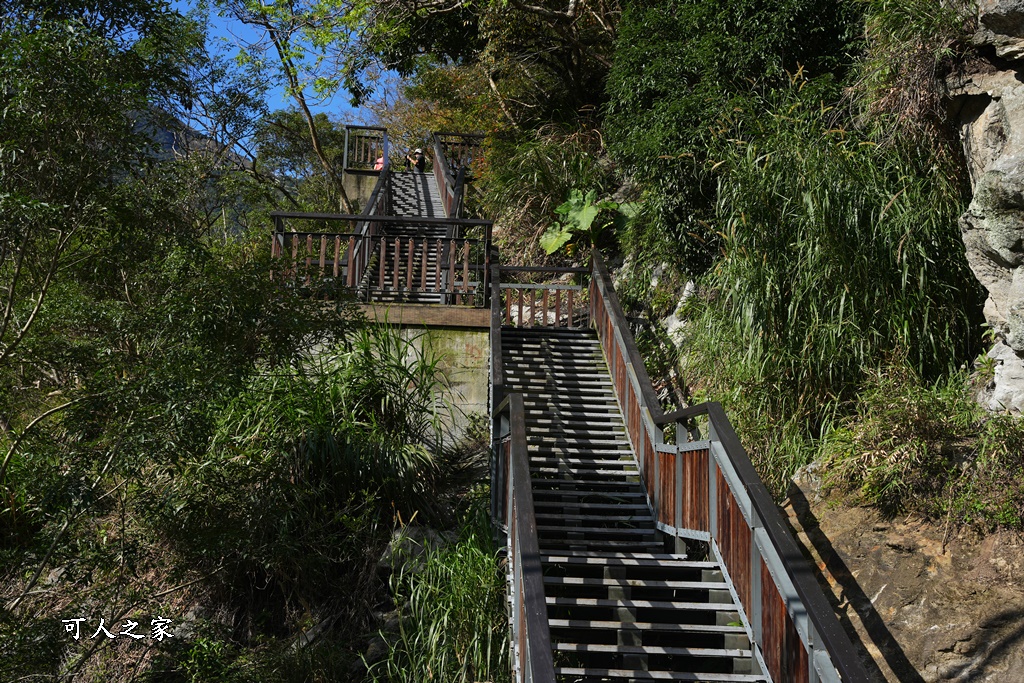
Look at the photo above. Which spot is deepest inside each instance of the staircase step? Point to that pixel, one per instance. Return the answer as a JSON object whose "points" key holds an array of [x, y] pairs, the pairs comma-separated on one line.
{"points": [[589, 675], [645, 626], [592, 487], [635, 519], [581, 462], [549, 451], [595, 530], [578, 493], [591, 507], [642, 604], [635, 583], [651, 650], [628, 560]]}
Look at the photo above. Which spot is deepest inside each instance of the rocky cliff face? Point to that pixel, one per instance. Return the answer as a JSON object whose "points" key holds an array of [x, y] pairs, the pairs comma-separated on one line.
{"points": [[989, 109], [922, 602]]}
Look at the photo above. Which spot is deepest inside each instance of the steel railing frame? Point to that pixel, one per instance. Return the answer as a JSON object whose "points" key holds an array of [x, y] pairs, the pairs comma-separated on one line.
{"points": [[828, 652]]}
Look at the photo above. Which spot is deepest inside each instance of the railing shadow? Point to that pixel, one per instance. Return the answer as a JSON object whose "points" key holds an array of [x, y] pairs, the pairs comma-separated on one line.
{"points": [[874, 625], [1007, 643]]}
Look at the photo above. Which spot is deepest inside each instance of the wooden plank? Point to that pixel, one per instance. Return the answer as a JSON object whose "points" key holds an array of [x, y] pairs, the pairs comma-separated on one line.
{"points": [[396, 267], [337, 256], [734, 538], [451, 267], [437, 266], [558, 308], [309, 256], [408, 266], [667, 488], [544, 308], [695, 490], [423, 266], [351, 265], [785, 656], [295, 255]]}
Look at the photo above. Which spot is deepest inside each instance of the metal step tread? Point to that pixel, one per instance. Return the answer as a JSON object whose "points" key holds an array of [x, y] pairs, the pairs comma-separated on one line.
{"points": [[571, 544], [585, 493], [652, 650], [635, 583], [638, 674], [587, 472], [611, 488], [596, 530], [538, 427], [643, 604], [645, 626], [636, 519], [588, 464], [546, 335], [628, 560], [591, 506]]}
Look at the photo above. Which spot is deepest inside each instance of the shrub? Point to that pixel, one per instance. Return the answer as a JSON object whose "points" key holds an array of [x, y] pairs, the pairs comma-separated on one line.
{"points": [[682, 71], [837, 255]]}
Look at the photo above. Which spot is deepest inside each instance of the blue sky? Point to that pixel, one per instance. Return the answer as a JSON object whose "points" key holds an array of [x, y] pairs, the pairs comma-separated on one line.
{"points": [[221, 29]]}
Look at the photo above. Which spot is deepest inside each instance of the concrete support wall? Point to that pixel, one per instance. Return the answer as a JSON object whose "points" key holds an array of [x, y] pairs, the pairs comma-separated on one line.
{"points": [[462, 355], [359, 186], [459, 338]]}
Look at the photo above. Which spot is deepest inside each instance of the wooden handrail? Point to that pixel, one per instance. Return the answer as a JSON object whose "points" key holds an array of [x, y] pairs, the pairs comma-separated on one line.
{"points": [[396, 220], [734, 492], [543, 269]]}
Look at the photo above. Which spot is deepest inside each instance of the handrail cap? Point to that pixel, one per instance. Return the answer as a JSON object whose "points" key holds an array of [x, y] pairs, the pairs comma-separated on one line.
{"points": [[683, 413]]}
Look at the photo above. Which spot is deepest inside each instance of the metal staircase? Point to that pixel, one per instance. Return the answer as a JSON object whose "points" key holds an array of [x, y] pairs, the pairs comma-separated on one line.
{"points": [[417, 252], [594, 486], [620, 608]]}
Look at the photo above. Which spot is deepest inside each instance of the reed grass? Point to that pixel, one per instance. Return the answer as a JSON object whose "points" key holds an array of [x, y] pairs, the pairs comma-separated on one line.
{"points": [[453, 624], [838, 255]]}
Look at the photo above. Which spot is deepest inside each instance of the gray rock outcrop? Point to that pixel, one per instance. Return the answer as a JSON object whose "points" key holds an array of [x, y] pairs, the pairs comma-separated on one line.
{"points": [[991, 120], [1001, 25]]}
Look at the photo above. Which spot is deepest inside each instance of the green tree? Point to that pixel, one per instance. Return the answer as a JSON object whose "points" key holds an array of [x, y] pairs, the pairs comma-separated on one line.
{"points": [[684, 73]]}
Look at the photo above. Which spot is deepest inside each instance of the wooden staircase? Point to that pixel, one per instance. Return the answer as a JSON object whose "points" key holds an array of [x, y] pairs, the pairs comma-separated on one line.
{"points": [[620, 608]]}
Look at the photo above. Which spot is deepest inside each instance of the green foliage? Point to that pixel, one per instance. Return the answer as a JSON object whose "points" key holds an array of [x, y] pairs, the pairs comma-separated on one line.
{"points": [[900, 447], [285, 151], [838, 254], [912, 46], [683, 70], [453, 624], [928, 448], [309, 454], [530, 175], [579, 213]]}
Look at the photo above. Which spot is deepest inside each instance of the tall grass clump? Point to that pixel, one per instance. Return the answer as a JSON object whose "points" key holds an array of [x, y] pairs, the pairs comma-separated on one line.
{"points": [[838, 254], [355, 424], [911, 47], [928, 447], [453, 625], [310, 468]]}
